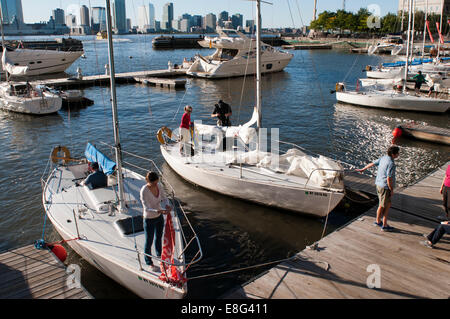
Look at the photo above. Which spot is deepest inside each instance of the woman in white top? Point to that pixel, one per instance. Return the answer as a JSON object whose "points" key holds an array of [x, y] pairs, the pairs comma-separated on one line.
{"points": [[152, 195]]}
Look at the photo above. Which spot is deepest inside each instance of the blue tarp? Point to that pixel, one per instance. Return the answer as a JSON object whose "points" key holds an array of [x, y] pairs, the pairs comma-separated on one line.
{"points": [[402, 63], [94, 155]]}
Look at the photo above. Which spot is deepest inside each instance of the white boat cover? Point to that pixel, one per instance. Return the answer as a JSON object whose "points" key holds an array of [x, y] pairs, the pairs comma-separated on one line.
{"points": [[10, 67]]}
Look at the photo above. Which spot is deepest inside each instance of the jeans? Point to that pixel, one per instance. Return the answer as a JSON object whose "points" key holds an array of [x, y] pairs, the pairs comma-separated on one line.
{"points": [[438, 232], [153, 227]]}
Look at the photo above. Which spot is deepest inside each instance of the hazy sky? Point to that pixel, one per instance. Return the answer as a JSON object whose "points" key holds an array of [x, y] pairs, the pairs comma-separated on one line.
{"points": [[283, 13]]}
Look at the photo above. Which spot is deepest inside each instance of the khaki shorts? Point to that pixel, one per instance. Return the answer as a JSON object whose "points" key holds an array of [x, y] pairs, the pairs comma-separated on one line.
{"points": [[384, 196]]}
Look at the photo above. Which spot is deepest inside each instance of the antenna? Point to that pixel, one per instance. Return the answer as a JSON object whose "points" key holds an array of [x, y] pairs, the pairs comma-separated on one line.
{"points": [[343, 5]]}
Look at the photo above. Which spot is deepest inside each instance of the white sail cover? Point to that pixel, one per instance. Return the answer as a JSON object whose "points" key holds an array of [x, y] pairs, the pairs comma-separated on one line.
{"points": [[9, 67]]}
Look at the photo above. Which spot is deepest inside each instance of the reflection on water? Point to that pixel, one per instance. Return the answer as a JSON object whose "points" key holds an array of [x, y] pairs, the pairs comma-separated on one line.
{"points": [[233, 233]]}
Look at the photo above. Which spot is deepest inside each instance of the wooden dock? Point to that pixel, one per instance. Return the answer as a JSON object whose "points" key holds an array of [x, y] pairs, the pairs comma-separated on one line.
{"points": [[103, 79], [359, 255], [307, 47], [167, 83], [30, 273], [426, 133]]}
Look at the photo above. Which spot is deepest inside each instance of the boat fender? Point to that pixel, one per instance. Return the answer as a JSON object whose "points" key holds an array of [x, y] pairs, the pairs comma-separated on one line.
{"points": [[55, 154], [163, 130], [397, 132], [340, 87]]}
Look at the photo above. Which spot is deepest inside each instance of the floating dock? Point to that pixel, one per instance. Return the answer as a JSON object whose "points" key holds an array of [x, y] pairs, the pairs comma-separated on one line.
{"points": [[30, 273], [359, 261], [168, 83], [307, 47], [103, 79]]}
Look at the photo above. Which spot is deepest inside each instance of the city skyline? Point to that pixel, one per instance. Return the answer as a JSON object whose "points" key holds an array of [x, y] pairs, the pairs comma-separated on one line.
{"points": [[292, 13]]}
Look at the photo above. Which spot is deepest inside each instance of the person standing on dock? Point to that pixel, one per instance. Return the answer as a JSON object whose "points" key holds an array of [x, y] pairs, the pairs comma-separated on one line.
{"points": [[385, 183], [436, 234], [445, 191]]}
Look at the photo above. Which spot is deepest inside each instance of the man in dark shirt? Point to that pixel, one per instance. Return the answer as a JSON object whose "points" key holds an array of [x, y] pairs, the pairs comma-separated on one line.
{"points": [[223, 112], [96, 179]]}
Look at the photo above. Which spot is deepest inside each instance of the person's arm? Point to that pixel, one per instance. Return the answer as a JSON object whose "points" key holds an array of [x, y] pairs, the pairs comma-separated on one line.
{"points": [[442, 186], [365, 167], [390, 183], [165, 200], [147, 205]]}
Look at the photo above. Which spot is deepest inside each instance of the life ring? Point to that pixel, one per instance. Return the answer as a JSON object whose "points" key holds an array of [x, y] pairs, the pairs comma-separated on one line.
{"points": [[163, 130], [55, 154]]}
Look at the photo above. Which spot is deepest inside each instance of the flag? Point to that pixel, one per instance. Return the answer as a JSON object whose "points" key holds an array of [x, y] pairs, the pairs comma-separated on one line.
{"points": [[441, 38], [429, 32], [10, 67], [170, 273]]}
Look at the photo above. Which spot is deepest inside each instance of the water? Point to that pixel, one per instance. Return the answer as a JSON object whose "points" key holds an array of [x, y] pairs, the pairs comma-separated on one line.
{"points": [[233, 233]]}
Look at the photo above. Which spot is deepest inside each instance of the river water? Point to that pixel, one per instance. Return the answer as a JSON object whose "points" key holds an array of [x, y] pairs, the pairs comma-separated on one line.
{"points": [[233, 233]]}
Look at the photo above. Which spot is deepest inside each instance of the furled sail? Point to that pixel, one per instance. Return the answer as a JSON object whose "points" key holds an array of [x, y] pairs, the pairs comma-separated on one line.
{"points": [[12, 69]]}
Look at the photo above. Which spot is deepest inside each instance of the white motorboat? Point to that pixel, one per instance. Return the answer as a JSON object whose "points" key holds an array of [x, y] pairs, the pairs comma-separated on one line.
{"points": [[293, 181], [235, 55], [105, 225], [21, 97], [388, 45]]}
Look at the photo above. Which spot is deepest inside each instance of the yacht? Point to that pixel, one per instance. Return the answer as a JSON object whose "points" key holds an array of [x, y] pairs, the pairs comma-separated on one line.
{"points": [[235, 55]]}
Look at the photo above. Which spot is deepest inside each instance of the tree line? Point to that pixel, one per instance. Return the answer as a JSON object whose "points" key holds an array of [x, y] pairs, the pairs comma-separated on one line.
{"points": [[390, 23]]}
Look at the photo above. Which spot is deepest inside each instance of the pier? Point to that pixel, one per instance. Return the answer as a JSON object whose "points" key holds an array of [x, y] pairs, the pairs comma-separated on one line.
{"points": [[345, 262], [103, 79], [30, 273]]}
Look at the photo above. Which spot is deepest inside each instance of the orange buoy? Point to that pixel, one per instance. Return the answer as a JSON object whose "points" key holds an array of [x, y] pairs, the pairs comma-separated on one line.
{"points": [[59, 252], [397, 132]]}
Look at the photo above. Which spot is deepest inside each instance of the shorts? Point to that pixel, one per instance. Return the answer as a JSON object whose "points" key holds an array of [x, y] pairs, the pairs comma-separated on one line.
{"points": [[185, 135], [384, 196], [418, 85]]}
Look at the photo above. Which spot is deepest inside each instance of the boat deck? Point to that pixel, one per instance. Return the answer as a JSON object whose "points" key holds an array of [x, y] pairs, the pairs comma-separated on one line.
{"points": [[28, 272], [348, 259]]}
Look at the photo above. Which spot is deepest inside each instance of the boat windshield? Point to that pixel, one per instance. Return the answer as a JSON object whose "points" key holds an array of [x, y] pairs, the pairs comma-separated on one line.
{"points": [[228, 54]]}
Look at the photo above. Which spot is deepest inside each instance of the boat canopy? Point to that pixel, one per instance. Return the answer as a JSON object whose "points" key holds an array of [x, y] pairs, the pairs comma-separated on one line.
{"points": [[94, 155]]}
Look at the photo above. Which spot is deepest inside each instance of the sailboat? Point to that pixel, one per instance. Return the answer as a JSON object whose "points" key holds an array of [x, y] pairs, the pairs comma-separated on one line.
{"points": [[393, 99], [105, 225], [293, 181]]}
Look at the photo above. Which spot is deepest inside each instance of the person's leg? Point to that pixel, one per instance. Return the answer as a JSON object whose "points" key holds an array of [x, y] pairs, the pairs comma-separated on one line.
{"points": [[446, 199], [149, 229], [438, 233], [380, 211], [385, 214], [159, 227]]}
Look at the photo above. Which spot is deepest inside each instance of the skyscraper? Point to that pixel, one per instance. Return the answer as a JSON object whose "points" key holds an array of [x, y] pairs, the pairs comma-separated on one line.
{"points": [[237, 20], [58, 16], [146, 17], [84, 15], [120, 16], [167, 16], [12, 9], [98, 19], [223, 16], [151, 16], [210, 22]]}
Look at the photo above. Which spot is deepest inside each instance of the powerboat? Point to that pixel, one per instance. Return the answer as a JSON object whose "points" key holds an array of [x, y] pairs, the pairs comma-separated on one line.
{"points": [[235, 55]]}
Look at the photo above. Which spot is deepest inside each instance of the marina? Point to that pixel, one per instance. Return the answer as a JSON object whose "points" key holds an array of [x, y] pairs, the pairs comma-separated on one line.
{"points": [[262, 226]]}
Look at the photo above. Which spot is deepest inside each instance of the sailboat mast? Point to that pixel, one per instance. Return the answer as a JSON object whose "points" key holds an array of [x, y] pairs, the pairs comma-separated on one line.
{"points": [[3, 37], [440, 29], [258, 62], [412, 28], [425, 29], [117, 147], [408, 44]]}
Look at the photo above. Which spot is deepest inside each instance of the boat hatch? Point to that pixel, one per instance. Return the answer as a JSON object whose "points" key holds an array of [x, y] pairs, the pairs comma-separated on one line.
{"points": [[130, 225], [101, 198]]}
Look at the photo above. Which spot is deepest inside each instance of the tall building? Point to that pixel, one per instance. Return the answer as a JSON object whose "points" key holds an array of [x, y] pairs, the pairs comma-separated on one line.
{"points": [[151, 16], [120, 17], [84, 15], [434, 6], [210, 22], [12, 10], [98, 19], [197, 21], [71, 20], [166, 23], [237, 20], [223, 16], [58, 16]]}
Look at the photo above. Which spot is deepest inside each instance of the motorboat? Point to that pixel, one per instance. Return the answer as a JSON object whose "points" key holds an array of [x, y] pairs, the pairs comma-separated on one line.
{"points": [[105, 225], [233, 161], [22, 97], [387, 45], [235, 55]]}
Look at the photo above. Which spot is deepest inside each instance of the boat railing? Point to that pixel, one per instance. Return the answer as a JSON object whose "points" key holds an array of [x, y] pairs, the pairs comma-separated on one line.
{"points": [[189, 241]]}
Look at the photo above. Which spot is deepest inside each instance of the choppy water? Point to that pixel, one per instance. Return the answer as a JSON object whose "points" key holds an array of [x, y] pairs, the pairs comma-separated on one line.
{"points": [[233, 233]]}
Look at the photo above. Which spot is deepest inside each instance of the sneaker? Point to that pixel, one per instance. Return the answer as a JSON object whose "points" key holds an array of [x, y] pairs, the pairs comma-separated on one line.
{"points": [[427, 244], [380, 224], [387, 228]]}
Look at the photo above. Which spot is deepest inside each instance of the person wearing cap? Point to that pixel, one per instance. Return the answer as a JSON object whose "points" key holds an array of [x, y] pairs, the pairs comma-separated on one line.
{"points": [[97, 178]]}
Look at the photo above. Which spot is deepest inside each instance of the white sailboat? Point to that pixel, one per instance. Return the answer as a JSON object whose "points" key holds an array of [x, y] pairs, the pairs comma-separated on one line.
{"points": [[235, 55], [393, 99], [105, 225], [293, 181]]}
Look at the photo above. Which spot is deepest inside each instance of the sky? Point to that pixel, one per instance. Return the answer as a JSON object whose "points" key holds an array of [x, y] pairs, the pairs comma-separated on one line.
{"points": [[283, 13]]}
